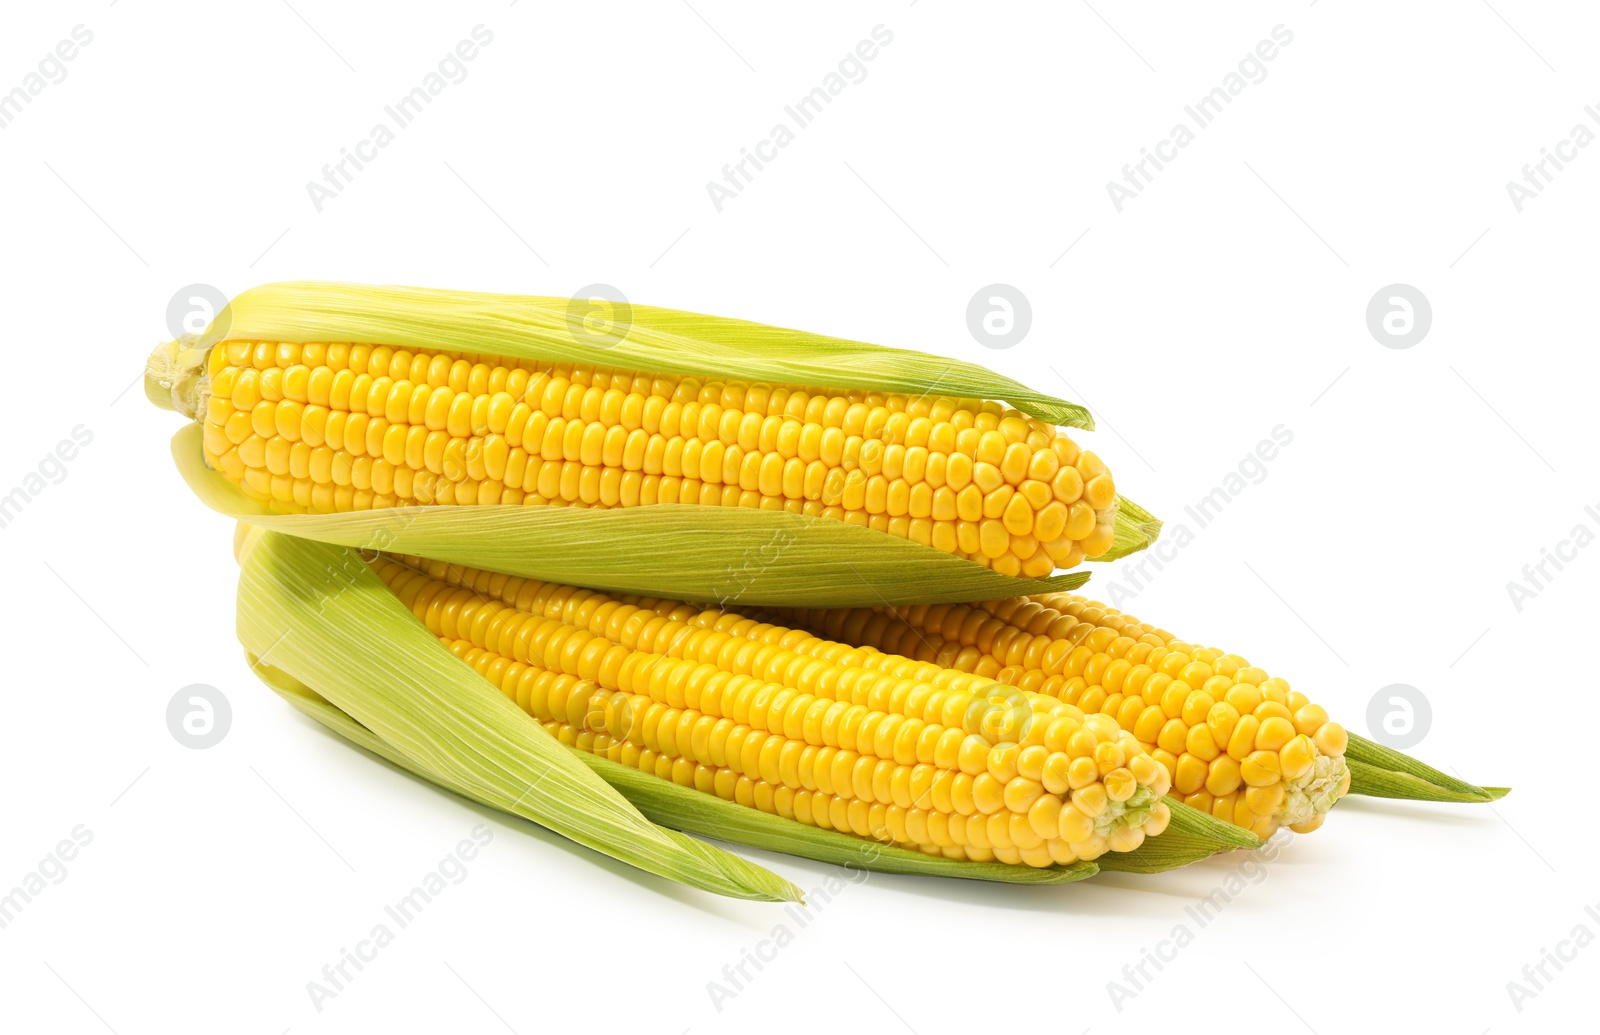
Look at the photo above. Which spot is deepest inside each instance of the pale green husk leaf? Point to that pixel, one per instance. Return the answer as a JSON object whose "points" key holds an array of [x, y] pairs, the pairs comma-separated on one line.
{"points": [[633, 337], [730, 555], [1136, 529], [695, 812], [1372, 782], [1383, 772], [737, 877], [319, 614]]}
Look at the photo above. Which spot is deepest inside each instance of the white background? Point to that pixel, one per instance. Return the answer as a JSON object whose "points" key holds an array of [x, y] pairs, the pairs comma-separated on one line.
{"points": [[1228, 298]]}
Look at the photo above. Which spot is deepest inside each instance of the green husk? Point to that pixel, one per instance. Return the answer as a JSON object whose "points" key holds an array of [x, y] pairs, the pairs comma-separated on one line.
{"points": [[1191, 836], [694, 812], [643, 338], [319, 614], [730, 555], [735, 876], [1382, 772], [1136, 528], [1373, 782]]}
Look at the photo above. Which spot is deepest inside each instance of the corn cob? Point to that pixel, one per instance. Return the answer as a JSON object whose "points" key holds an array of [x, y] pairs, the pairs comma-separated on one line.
{"points": [[694, 813], [962, 767], [1237, 743], [890, 480], [335, 427]]}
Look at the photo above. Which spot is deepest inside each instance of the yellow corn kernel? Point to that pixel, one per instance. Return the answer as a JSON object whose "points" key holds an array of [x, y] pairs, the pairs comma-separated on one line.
{"points": [[1261, 768], [1296, 758]]}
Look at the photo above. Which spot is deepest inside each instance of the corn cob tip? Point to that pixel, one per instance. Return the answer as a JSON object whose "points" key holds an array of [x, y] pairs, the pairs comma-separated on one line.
{"points": [[157, 374], [1308, 798], [174, 375]]}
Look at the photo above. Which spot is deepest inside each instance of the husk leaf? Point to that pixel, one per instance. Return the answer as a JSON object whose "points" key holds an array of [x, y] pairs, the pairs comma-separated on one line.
{"points": [[694, 812], [641, 338], [727, 555], [1136, 529], [319, 614], [1191, 836], [1383, 772]]}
